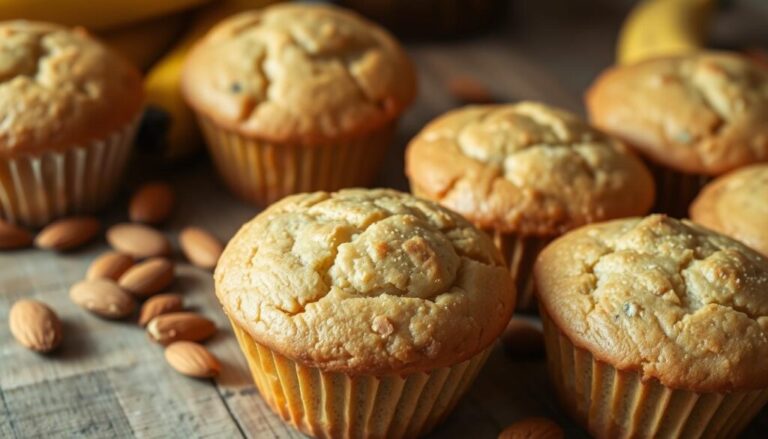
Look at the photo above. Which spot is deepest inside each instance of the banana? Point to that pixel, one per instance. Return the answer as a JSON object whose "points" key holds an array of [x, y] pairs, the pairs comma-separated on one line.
{"points": [[145, 43], [93, 14], [169, 128], [664, 27]]}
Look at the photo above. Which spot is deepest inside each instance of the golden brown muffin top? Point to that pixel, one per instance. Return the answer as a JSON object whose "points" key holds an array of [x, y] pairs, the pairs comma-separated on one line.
{"points": [[526, 168], [365, 281], [60, 88], [703, 113], [664, 297], [736, 205], [300, 73]]}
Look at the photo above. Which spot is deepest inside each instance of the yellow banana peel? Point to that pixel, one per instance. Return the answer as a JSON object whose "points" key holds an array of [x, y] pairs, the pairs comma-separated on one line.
{"points": [[146, 42], [93, 14], [664, 27], [170, 127]]}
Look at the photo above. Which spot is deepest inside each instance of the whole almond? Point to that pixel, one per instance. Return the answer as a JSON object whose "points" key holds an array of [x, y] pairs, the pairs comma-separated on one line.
{"points": [[152, 203], [13, 237], [192, 359], [469, 90], [533, 428], [188, 326], [103, 297], [68, 233], [35, 325], [200, 247], [147, 278], [138, 241], [110, 265], [160, 304], [522, 339]]}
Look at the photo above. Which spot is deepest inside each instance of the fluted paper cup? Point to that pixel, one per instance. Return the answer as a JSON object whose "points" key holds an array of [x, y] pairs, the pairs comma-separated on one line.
{"points": [[520, 253], [613, 403], [675, 191], [35, 189], [337, 405], [263, 172]]}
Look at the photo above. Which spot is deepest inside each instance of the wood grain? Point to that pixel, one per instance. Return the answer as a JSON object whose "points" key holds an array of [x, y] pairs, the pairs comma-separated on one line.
{"points": [[108, 380]]}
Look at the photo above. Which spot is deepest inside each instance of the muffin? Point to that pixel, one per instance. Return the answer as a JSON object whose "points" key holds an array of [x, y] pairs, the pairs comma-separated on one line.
{"points": [[297, 97], [655, 327], [68, 113], [736, 205], [363, 313], [525, 173], [431, 18], [693, 117]]}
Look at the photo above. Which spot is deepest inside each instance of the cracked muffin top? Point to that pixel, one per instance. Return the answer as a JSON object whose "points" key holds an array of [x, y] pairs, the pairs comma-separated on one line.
{"points": [[736, 205], [60, 88], [365, 281], [666, 298], [526, 168], [704, 113], [298, 72]]}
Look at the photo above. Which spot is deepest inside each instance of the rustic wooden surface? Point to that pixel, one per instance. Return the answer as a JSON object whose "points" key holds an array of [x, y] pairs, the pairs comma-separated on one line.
{"points": [[108, 380]]}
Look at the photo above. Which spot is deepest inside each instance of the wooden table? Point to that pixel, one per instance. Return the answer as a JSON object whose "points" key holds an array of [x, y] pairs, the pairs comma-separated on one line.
{"points": [[107, 380]]}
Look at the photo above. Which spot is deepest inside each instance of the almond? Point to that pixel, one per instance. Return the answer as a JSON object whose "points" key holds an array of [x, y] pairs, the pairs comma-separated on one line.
{"points": [[160, 304], [35, 325], [147, 278], [138, 241], [200, 247], [110, 265], [102, 297], [68, 233], [152, 203], [189, 326], [12, 237], [469, 90], [192, 359], [523, 339], [533, 428]]}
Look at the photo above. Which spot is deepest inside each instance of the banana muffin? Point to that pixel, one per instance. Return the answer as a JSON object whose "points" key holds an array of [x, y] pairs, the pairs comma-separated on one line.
{"points": [[693, 117], [655, 327], [363, 313], [68, 113], [736, 205], [526, 173], [297, 97]]}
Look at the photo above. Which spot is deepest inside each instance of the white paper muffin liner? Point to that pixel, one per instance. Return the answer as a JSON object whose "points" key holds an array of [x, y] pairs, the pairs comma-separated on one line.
{"points": [[264, 172], [332, 404], [35, 189], [613, 403]]}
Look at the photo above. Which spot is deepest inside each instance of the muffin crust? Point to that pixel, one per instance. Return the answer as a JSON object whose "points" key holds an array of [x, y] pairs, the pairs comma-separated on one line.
{"points": [[526, 168], [666, 298], [736, 205], [365, 281], [60, 88], [299, 73], [704, 113]]}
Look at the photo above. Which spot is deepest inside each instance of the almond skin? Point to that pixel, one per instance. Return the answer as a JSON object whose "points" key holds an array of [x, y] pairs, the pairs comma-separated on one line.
{"points": [[533, 428], [152, 203], [103, 297], [147, 278], [13, 237], [192, 359], [187, 326], [200, 247], [35, 326], [110, 265], [157, 305], [68, 233], [138, 241]]}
